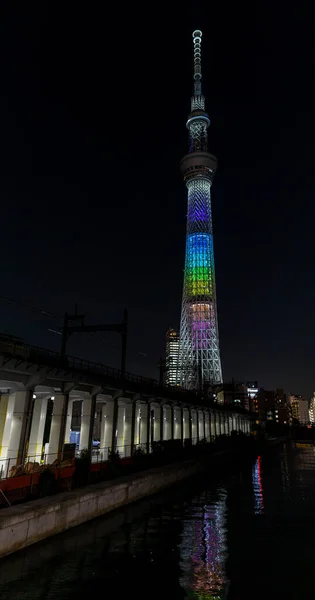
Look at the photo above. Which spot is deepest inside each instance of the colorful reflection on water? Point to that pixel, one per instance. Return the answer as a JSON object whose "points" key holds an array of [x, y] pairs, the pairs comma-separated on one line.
{"points": [[258, 487], [203, 548]]}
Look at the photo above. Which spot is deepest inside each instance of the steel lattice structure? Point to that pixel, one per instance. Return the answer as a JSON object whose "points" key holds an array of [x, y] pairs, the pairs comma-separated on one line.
{"points": [[199, 356]]}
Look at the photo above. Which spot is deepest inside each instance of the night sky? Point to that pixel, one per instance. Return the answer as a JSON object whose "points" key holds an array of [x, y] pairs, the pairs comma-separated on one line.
{"points": [[93, 105]]}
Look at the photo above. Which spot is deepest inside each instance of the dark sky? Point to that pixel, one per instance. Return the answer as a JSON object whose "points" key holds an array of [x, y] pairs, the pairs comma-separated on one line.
{"points": [[93, 103]]}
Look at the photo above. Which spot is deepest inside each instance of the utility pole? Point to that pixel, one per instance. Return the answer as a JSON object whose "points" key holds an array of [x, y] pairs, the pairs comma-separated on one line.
{"points": [[69, 327]]}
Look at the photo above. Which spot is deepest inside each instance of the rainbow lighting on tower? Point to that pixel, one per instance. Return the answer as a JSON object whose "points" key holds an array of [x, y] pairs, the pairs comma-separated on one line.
{"points": [[199, 361]]}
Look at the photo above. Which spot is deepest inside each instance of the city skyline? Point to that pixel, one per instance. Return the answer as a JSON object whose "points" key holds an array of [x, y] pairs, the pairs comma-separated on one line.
{"points": [[92, 197]]}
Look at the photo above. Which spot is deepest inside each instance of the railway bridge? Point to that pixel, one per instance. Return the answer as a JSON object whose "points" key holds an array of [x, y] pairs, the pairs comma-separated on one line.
{"points": [[40, 389]]}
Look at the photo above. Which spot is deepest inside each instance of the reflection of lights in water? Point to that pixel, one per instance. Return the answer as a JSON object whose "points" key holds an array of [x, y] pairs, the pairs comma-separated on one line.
{"points": [[203, 551], [257, 487]]}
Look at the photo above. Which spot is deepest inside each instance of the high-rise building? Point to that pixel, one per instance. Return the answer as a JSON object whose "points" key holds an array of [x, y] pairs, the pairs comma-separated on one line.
{"points": [[171, 360], [299, 409], [311, 411], [199, 355]]}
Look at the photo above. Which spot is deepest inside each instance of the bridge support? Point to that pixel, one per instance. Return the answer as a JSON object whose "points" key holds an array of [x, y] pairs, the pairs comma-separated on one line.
{"points": [[85, 423], [186, 425], [57, 428], [68, 421], [35, 446], [194, 432], [14, 430], [167, 426], [207, 426], [178, 424], [106, 428]]}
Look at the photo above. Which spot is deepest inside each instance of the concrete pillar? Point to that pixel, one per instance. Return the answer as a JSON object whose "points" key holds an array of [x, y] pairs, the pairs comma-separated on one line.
{"points": [[190, 423], [4, 399], [137, 423], [222, 423], [35, 446], [186, 426], [85, 423], [177, 423], [156, 423], [134, 411], [106, 429], [148, 429], [201, 425], [120, 428], [143, 433], [161, 422], [56, 437], [115, 426], [182, 424], [218, 423], [227, 425], [17, 421], [212, 426], [12, 429], [127, 428], [207, 426], [68, 421], [167, 428], [234, 425], [194, 431], [172, 422]]}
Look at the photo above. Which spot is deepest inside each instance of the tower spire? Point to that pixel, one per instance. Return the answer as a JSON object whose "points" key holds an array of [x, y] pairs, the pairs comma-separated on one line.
{"points": [[197, 35]]}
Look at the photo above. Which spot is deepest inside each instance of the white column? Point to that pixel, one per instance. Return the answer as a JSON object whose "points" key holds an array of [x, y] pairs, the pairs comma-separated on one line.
{"points": [[207, 427], [234, 423], [167, 429], [212, 426], [127, 428], [13, 426], [55, 428], [106, 429], [217, 424], [143, 417], [186, 424], [5, 464], [201, 424], [194, 417], [85, 423], [156, 424], [35, 446], [177, 423], [68, 421], [137, 423], [3, 414], [120, 428], [222, 421]]}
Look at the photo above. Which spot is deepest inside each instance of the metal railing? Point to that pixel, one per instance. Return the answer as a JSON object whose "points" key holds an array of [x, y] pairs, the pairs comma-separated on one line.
{"points": [[32, 464]]}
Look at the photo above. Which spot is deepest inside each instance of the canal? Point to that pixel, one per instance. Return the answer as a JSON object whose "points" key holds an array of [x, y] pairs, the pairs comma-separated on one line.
{"points": [[247, 533]]}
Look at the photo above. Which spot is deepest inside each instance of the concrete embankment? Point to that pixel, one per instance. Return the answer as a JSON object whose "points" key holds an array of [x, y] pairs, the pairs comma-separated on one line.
{"points": [[28, 523]]}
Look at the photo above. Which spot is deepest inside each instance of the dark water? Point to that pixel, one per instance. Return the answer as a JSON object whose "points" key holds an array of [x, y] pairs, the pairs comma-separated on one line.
{"points": [[249, 533]]}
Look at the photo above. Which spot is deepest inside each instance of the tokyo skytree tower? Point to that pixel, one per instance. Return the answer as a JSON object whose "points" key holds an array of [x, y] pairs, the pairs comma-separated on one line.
{"points": [[199, 356]]}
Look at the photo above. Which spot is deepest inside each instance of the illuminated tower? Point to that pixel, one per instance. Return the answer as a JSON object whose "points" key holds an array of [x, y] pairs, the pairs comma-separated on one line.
{"points": [[199, 355]]}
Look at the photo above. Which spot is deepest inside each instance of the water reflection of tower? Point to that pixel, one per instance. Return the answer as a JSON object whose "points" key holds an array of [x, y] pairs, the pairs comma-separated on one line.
{"points": [[203, 548], [258, 487]]}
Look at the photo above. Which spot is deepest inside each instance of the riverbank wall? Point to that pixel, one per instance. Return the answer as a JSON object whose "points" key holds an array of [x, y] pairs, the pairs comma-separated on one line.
{"points": [[31, 522]]}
